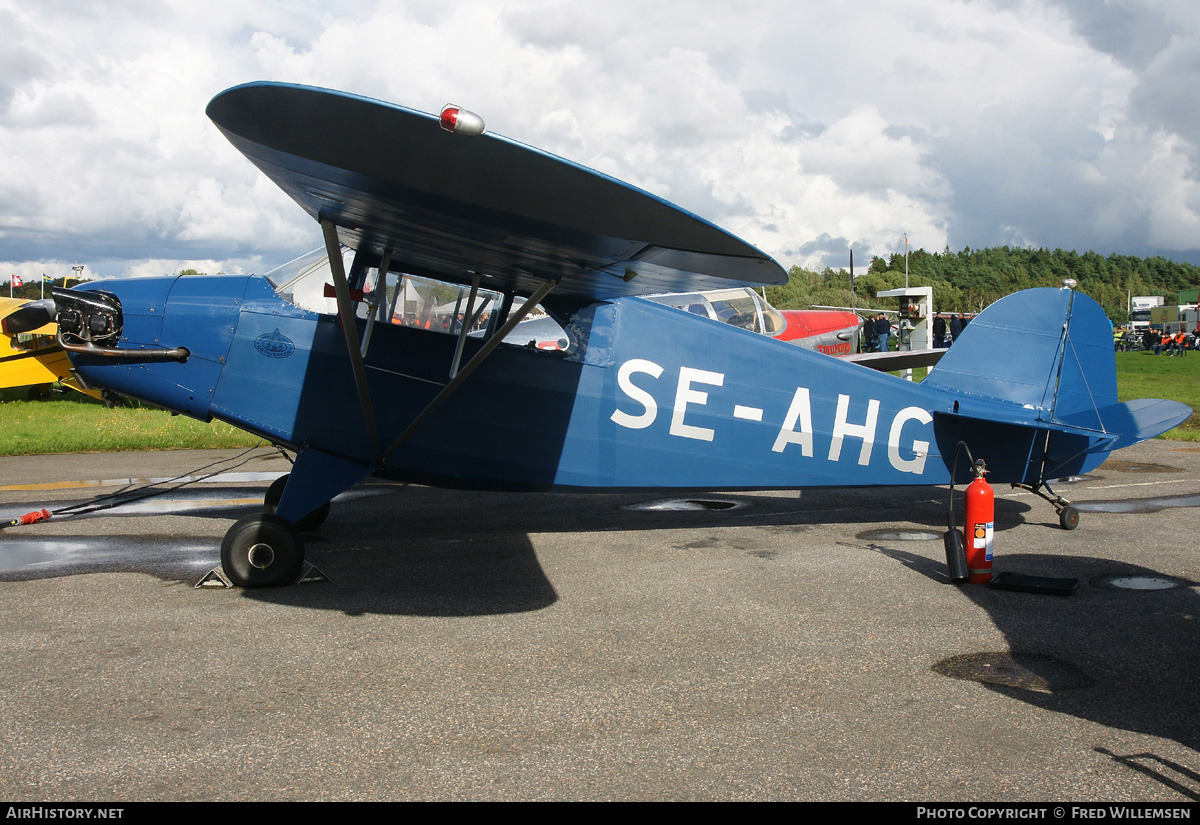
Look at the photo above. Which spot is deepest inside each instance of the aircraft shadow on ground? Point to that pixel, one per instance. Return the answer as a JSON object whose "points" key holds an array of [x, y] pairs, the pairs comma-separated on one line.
{"points": [[1119, 657], [422, 551], [409, 549]]}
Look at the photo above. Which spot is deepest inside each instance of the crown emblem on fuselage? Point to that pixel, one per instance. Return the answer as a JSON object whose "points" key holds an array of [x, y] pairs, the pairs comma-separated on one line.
{"points": [[274, 344]]}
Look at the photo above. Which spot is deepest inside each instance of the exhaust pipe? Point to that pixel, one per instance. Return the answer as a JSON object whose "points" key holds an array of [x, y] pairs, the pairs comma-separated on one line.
{"points": [[89, 323]]}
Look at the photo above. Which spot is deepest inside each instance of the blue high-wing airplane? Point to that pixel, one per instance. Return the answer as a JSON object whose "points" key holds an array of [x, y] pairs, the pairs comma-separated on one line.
{"points": [[403, 373]]}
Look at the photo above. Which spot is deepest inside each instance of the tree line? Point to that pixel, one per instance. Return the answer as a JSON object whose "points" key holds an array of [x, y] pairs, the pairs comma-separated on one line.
{"points": [[969, 280], [965, 281]]}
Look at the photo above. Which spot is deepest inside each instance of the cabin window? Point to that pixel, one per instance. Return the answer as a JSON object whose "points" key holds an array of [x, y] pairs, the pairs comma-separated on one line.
{"points": [[441, 307], [739, 312], [773, 321], [29, 341], [435, 305], [741, 307], [411, 301], [303, 281]]}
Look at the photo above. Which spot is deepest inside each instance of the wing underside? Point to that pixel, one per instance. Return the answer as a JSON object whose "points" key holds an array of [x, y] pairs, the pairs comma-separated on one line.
{"points": [[451, 205]]}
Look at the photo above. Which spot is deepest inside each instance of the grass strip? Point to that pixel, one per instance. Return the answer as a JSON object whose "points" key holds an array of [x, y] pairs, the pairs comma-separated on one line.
{"points": [[68, 422]]}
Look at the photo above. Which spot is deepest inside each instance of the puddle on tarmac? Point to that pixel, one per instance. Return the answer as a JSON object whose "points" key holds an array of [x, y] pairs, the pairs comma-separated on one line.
{"points": [[1025, 671], [1139, 582], [1139, 467], [220, 478], [1138, 505], [23, 557], [687, 504], [897, 535], [186, 501], [174, 559]]}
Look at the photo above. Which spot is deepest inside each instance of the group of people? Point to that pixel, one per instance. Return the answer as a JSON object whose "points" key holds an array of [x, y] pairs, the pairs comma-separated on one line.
{"points": [[954, 327], [1177, 343], [878, 331], [946, 329]]}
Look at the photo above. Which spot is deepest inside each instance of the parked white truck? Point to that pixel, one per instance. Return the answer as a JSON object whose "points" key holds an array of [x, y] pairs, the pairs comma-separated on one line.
{"points": [[1140, 307]]}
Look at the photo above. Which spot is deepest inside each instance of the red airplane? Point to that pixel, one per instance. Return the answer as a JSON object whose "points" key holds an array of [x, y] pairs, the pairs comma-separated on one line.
{"points": [[832, 332]]}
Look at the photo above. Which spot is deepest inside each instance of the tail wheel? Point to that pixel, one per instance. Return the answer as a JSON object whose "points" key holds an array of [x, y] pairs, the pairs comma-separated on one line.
{"points": [[309, 522], [262, 550], [1068, 518]]}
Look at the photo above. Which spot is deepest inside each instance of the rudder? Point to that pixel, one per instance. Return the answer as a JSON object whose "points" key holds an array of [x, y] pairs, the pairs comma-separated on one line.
{"points": [[1047, 350]]}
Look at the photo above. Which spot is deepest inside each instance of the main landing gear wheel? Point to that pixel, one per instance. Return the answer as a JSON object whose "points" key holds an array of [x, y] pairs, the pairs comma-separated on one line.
{"points": [[262, 550], [1068, 518], [310, 522]]}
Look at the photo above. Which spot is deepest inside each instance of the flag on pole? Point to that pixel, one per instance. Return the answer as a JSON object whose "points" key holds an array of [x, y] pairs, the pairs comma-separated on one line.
{"points": [[16, 281]]}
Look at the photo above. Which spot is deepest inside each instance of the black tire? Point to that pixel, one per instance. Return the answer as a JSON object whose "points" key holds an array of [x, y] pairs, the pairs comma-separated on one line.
{"points": [[1068, 518], [39, 392], [275, 493], [310, 522], [262, 550]]}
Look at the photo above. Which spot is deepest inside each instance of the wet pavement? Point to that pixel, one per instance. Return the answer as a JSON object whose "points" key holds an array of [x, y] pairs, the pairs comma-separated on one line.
{"points": [[543, 646]]}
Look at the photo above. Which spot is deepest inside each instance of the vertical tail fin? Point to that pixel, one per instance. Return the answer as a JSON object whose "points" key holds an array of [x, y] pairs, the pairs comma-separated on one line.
{"points": [[1048, 350], [1048, 354]]}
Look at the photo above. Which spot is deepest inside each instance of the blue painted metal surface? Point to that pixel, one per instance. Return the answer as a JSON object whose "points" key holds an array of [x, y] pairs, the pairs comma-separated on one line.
{"points": [[647, 397], [452, 205], [650, 397]]}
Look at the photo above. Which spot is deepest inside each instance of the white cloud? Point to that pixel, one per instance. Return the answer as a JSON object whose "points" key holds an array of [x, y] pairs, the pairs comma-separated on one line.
{"points": [[801, 126]]}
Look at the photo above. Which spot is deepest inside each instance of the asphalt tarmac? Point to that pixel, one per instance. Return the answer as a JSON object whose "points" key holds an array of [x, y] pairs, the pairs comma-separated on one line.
{"points": [[491, 646]]}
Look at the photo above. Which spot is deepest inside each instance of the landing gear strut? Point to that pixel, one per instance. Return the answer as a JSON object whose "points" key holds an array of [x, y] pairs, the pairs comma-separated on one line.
{"points": [[309, 522], [1068, 516]]}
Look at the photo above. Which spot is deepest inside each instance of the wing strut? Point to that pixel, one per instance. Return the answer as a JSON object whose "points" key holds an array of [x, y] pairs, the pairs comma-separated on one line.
{"points": [[465, 326], [346, 314], [486, 350], [379, 296]]}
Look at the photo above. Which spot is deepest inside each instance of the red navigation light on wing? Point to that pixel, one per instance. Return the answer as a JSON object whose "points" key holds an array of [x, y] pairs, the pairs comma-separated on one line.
{"points": [[461, 121]]}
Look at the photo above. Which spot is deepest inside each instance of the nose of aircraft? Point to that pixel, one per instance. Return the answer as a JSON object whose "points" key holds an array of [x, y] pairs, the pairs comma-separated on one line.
{"points": [[163, 340]]}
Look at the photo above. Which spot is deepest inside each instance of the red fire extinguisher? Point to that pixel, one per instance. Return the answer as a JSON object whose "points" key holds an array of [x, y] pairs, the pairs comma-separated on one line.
{"points": [[979, 523]]}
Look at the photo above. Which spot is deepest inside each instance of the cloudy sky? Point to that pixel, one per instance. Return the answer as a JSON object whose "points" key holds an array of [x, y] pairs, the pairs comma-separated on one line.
{"points": [[806, 127]]}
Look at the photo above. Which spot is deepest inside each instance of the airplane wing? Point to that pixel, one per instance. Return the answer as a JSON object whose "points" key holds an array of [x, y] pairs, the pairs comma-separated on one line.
{"points": [[898, 359], [34, 359], [450, 205]]}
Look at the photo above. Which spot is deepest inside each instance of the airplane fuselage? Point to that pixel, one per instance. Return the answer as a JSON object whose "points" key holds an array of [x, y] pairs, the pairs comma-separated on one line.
{"points": [[647, 397]]}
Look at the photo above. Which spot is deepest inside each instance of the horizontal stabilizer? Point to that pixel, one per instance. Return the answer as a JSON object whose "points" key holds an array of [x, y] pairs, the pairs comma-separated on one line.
{"points": [[1044, 358], [898, 360], [1134, 421]]}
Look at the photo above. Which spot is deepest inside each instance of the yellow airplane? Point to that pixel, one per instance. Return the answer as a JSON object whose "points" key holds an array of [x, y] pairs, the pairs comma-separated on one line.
{"points": [[33, 359]]}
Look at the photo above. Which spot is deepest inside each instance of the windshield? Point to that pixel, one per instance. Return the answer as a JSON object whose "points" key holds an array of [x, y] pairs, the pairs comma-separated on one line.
{"points": [[742, 307], [410, 301]]}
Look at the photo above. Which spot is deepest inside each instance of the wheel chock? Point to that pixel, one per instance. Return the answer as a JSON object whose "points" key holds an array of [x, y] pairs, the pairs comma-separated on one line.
{"points": [[217, 578], [214, 578]]}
